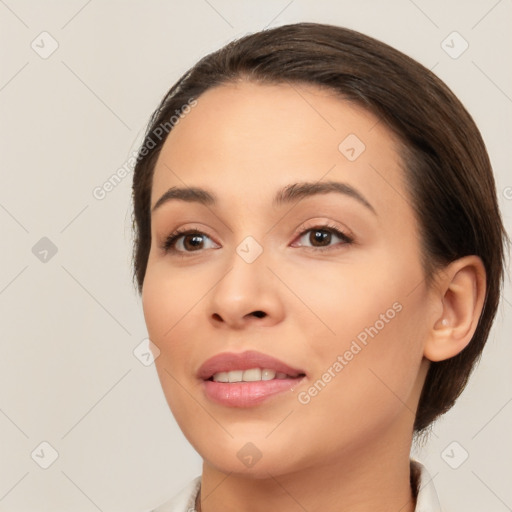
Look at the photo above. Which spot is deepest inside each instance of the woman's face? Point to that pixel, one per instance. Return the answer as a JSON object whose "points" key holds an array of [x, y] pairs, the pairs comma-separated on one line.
{"points": [[303, 263]]}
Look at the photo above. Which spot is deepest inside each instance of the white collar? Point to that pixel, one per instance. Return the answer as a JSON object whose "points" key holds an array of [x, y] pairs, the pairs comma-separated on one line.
{"points": [[427, 500]]}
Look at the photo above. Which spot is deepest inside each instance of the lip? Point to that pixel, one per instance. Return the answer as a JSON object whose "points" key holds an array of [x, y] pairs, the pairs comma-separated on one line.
{"points": [[246, 394], [229, 361]]}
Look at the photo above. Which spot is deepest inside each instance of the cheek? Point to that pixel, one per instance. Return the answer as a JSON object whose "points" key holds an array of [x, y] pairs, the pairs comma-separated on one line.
{"points": [[372, 341], [168, 297], [169, 302], [372, 389], [375, 358], [335, 304]]}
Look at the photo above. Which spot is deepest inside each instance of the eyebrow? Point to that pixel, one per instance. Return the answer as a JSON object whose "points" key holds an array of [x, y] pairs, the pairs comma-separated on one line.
{"points": [[286, 195]]}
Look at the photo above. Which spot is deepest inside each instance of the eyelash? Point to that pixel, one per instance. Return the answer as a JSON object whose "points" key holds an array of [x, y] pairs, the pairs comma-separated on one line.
{"points": [[169, 243], [347, 239]]}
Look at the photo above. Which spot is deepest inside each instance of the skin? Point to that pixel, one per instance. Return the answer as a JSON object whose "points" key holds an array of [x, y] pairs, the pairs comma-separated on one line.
{"points": [[243, 142]]}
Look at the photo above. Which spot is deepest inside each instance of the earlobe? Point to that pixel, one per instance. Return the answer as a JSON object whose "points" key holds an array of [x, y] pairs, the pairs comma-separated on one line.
{"points": [[461, 292]]}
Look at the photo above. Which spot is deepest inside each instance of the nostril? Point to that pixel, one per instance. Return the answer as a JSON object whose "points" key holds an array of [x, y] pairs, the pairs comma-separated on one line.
{"points": [[259, 314]]}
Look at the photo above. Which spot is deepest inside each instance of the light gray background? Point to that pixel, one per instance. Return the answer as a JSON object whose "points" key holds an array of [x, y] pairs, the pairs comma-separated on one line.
{"points": [[69, 326]]}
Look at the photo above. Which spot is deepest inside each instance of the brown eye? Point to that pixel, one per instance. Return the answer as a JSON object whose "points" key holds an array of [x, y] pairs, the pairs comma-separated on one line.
{"points": [[188, 241], [192, 242], [323, 237], [319, 237]]}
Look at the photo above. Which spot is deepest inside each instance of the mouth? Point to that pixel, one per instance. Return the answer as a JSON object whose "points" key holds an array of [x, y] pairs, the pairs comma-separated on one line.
{"points": [[246, 379], [251, 375]]}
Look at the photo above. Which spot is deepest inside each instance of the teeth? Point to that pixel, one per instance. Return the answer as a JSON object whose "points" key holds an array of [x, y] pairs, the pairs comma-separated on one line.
{"points": [[251, 375], [268, 374], [221, 377], [235, 376]]}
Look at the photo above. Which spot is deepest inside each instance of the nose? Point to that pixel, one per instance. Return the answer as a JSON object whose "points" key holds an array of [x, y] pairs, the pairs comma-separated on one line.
{"points": [[248, 294]]}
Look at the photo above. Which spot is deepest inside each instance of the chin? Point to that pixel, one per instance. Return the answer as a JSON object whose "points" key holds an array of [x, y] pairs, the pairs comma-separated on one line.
{"points": [[250, 456], [259, 470]]}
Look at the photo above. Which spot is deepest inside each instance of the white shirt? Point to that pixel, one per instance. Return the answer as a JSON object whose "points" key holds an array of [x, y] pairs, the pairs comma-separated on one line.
{"points": [[427, 500]]}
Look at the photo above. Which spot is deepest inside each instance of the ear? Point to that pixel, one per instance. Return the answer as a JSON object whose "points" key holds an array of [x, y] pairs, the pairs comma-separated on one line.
{"points": [[460, 293]]}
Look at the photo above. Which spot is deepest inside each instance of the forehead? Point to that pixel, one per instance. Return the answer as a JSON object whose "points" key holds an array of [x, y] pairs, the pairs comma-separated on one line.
{"points": [[247, 140]]}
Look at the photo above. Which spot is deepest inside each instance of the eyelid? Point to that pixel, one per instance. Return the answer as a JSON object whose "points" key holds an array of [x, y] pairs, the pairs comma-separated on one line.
{"points": [[326, 225], [168, 244]]}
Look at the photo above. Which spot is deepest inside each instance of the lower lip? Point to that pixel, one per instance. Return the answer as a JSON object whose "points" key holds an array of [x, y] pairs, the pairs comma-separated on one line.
{"points": [[247, 394]]}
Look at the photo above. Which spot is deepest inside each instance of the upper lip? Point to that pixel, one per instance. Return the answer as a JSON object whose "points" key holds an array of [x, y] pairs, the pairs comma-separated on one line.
{"points": [[229, 361]]}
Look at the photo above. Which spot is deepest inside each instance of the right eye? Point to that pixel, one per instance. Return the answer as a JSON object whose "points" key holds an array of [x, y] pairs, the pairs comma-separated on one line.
{"points": [[188, 240]]}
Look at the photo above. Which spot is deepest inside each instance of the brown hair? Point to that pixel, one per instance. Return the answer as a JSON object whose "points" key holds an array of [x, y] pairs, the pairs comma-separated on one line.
{"points": [[449, 174]]}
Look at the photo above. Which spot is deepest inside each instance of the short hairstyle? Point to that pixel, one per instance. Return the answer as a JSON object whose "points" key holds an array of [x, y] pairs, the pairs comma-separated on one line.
{"points": [[447, 170]]}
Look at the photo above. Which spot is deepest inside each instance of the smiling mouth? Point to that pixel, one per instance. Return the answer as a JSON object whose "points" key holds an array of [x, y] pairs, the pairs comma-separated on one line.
{"points": [[247, 379]]}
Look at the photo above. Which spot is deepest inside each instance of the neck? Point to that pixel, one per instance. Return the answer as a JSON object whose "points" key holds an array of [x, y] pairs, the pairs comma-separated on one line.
{"points": [[368, 479]]}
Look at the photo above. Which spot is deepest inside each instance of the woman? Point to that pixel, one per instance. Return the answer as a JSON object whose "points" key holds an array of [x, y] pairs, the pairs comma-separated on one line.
{"points": [[320, 255]]}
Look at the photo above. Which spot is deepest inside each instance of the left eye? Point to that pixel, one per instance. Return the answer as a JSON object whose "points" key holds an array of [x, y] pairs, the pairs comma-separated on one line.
{"points": [[323, 237]]}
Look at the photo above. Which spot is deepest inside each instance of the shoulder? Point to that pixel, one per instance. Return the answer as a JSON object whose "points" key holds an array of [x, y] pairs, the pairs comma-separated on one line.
{"points": [[184, 501], [427, 500]]}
